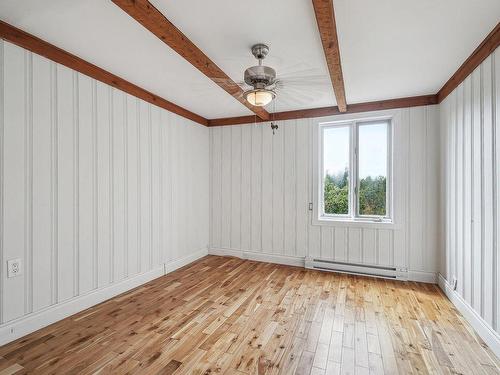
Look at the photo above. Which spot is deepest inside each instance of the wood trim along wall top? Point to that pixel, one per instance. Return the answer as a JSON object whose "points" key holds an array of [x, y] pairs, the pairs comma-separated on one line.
{"points": [[325, 18], [414, 101], [40, 47], [487, 46], [153, 20]]}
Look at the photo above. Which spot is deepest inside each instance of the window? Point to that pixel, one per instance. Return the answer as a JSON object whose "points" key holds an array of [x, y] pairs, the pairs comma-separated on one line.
{"points": [[354, 170]]}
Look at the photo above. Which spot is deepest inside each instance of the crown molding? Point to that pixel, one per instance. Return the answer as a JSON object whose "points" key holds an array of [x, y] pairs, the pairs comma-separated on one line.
{"points": [[414, 101]]}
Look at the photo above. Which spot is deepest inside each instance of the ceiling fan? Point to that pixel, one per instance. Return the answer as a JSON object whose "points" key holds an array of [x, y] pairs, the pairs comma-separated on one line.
{"points": [[297, 85], [261, 84], [261, 78]]}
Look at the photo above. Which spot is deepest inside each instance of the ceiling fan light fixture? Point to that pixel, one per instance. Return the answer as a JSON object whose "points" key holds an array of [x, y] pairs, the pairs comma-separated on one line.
{"points": [[259, 97]]}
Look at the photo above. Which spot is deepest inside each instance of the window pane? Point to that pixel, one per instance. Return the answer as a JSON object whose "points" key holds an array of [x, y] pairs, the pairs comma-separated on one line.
{"points": [[373, 169], [336, 170]]}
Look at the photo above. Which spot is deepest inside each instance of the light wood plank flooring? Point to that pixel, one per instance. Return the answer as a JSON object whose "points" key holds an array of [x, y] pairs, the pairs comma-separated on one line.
{"points": [[229, 316]]}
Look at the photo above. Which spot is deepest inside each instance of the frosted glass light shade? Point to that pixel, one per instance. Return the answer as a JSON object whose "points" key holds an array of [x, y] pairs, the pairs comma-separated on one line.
{"points": [[259, 97]]}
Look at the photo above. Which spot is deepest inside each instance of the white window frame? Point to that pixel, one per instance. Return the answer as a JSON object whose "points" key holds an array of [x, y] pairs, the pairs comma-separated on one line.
{"points": [[353, 216]]}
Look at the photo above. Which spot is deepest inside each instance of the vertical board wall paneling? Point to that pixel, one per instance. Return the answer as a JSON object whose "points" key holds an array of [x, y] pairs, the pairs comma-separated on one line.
{"points": [[86, 193], [215, 175], [156, 189], [496, 177], [145, 189], [401, 181], [261, 189], [42, 183], [487, 190], [472, 189], [133, 183], [289, 187], [246, 188], [2, 187], [236, 175], [459, 183], [119, 130], [226, 197], [256, 196], [65, 183], [453, 186], [477, 258], [277, 191], [302, 188], [267, 192], [165, 221], [467, 192], [16, 135], [88, 175], [417, 198], [102, 166]]}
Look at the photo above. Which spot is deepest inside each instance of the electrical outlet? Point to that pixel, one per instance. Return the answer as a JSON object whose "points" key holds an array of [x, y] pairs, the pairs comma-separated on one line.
{"points": [[14, 267]]}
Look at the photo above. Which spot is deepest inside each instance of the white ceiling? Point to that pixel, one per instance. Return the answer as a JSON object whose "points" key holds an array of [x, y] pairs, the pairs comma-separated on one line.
{"points": [[101, 33], [389, 48], [399, 48]]}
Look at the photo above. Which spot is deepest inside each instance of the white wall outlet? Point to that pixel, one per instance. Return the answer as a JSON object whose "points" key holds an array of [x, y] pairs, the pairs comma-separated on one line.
{"points": [[14, 267]]}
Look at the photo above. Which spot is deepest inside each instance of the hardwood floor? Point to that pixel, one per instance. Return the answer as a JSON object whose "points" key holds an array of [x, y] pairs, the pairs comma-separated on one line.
{"points": [[229, 316]]}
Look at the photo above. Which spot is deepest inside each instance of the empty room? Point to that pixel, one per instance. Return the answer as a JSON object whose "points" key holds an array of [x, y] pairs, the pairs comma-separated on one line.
{"points": [[235, 187]]}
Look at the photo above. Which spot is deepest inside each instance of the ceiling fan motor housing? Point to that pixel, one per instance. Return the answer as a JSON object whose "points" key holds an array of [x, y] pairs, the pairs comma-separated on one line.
{"points": [[260, 76]]}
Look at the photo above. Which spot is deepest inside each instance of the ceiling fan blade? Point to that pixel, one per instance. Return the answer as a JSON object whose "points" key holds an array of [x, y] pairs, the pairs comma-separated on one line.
{"points": [[298, 97], [301, 69], [319, 86], [304, 78]]}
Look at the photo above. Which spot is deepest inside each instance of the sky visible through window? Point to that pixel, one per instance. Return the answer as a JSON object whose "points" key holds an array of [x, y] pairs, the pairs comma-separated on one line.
{"points": [[372, 150], [336, 150]]}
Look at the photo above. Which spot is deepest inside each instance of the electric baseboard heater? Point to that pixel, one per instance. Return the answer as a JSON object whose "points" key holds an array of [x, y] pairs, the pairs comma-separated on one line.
{"points": [[358, 269]]}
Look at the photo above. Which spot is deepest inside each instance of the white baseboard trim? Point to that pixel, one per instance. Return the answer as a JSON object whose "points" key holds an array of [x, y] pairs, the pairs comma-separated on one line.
{"points": [[260, 257], [300, 261], [483, 329], [423, 277], [22, 326], [176, 264], [27, 324]]}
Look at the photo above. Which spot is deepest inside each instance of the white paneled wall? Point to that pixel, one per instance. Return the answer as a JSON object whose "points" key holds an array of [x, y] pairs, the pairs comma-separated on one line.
{"points": [[470, 121], [97, 186], [261, 186]]}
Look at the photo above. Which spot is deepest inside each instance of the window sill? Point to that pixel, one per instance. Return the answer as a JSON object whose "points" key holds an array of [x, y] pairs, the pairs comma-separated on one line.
{"points": [[355, 223]]}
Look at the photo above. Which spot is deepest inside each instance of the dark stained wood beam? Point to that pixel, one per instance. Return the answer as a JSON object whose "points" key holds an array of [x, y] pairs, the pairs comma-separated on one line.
{"points": [[325, 18], [414, 101], [488, 45], [51, 52], [153, 20]]}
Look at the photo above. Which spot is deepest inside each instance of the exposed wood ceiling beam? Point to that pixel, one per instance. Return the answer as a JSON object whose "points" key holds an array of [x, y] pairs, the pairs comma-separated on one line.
{"points": [[489, 44], [325, 19], [153, 20], [40, 47], [414, 101]]}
